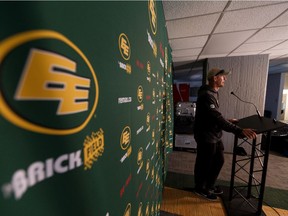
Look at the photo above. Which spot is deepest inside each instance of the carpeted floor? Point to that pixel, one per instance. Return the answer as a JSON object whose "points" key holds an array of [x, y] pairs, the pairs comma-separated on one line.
{"points": [[181, 168]]}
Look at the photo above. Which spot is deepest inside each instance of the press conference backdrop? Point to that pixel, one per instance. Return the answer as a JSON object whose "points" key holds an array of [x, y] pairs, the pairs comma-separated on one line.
{"points": [[86, 108]]}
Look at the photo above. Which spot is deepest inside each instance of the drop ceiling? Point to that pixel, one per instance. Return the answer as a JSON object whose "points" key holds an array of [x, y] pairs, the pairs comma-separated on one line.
{"points": [[207, 29]]}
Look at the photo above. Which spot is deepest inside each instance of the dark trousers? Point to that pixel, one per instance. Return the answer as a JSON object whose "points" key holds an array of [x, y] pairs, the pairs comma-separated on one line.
{"points": [[209, 162]]}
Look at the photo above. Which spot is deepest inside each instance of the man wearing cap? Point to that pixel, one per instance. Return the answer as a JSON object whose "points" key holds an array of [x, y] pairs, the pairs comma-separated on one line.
{"points": [[208, 127]]}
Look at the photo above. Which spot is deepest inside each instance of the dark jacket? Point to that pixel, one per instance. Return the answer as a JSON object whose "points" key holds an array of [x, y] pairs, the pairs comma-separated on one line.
{"points": [[209, 122]]}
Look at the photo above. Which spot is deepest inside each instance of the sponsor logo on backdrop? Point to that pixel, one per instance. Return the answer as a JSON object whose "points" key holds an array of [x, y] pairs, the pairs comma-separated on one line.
{"points": [[140, 130], [122, 100], [148, 121], [125, 143], [93, 148], [161, 62], [147, 146], [125, 51], [148, 71], [157, 112], [147, 168], [152, 174], [68, 87], [157, 78], [139, 64], [153, 156], [140, 95], [127, 210], [39, 171], [157, 148], [153, 118], [139, 189], [152, 44], [157, 180], [152, 11], [166, 59], [147, 212], [161, 50], [140, 210], [153, 136], [152, 209], [127, 182], [153, 96], [140, 159]]}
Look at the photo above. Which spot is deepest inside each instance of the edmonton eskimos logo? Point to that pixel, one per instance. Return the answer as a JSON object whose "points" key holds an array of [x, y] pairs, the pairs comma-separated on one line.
{"points": [[152, 10], [124, 46], [47, 83]]}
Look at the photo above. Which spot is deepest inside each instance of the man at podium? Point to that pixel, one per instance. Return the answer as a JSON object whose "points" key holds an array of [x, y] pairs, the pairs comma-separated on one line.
{"points": [[208, 127]]}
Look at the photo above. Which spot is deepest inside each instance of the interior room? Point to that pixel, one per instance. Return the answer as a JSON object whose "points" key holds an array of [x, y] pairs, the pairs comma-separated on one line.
{"points": [[98, 102], [239, 36]]}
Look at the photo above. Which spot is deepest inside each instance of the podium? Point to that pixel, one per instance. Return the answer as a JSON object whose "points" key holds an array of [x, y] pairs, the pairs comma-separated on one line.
{"points": [[246, 196]]}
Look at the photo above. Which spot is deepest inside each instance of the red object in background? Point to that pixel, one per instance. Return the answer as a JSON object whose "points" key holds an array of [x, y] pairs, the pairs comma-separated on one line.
{"points": [[184, 91], [176, 94]]}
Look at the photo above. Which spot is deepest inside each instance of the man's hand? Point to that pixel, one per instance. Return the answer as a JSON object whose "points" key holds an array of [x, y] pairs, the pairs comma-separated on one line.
{"points": [[249, 133]]}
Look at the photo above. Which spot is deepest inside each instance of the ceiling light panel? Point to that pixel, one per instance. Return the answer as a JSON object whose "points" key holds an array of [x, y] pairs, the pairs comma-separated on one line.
{"points": [[270, 34], [226, 43], [248, 19], [181, 9], [186, 43], [195, 26]]}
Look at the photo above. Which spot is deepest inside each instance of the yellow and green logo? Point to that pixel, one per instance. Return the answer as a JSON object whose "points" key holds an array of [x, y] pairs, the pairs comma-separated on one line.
{"points": [[47, 83], [152, 10], [124, 46]]}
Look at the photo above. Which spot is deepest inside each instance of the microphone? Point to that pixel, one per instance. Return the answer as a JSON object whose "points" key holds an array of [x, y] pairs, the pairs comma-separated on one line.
{"points": [[258, 113]]}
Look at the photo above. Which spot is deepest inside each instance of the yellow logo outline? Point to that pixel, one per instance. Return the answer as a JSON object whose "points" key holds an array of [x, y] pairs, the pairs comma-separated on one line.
{"points": [[124, 46], [12, 42], [152, 11]]}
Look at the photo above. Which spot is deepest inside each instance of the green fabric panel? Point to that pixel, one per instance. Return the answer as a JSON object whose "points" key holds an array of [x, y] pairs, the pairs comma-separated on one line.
{"points": [[86, 108]]}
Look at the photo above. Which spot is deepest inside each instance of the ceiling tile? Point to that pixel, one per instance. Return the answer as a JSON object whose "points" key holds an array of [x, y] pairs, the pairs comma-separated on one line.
{"points": [[280, 21], [244, 53], [225, 43], [248, 19], [275, 52], [248, 47], [236, 5], [212, 56], [194, 26], [181, 9], [186, 43], [283, 45], [183, 59], [186, 52], [270, 34]]}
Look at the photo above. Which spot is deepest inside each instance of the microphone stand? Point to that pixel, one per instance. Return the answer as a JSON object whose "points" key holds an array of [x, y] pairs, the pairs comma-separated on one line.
{"points": [[257, 111]]}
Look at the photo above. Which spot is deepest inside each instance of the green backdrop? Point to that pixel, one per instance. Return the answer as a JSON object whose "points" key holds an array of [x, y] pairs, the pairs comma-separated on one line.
{"points": [[86, 108]]}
